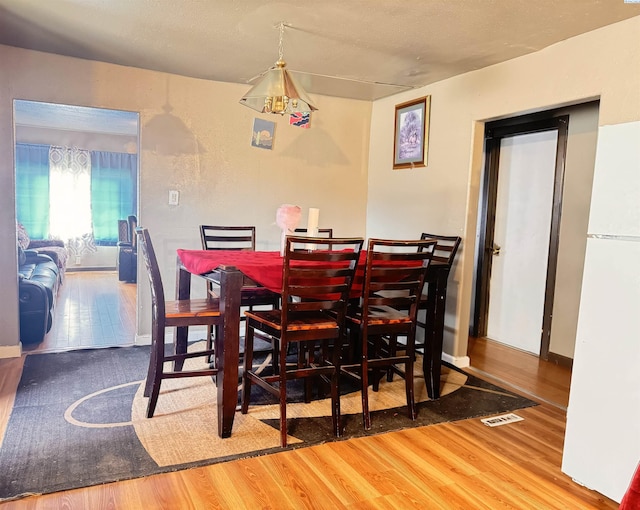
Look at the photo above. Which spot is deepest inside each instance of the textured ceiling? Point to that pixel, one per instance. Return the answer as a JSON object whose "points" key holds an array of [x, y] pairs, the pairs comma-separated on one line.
{"points": [[402, 42]]}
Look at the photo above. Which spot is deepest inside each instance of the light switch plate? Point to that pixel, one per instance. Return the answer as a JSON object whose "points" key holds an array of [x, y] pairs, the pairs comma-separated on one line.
{"points": [[174, 197]]}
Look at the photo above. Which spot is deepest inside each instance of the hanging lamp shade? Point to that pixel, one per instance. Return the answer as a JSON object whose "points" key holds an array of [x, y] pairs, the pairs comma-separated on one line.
{"points": [[278, 92]]}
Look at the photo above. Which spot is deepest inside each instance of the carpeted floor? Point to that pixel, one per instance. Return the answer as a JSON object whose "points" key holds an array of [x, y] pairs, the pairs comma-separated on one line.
{"points": [[79, 420]]}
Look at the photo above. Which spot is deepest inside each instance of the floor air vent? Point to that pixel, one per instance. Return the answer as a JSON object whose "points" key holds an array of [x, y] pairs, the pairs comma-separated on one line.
{"points": [[503, 419]]}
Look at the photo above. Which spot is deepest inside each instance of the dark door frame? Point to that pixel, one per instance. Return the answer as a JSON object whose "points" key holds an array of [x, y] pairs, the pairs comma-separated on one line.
{"points": [[495, 132]]}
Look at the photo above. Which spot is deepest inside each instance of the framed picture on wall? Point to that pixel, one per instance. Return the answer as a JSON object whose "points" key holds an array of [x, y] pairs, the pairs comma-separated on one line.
{"points": [[411, 135], [263, 132]]}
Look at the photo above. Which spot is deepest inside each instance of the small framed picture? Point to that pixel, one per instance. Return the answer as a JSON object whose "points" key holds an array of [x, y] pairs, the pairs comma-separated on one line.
{"points": [[263, 131], [411, 135], [300, 119]]}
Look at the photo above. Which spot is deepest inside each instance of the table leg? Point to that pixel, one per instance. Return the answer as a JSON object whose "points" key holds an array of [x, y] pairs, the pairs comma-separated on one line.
{"points": [[434, 330], [228, 343], [183, 291]]}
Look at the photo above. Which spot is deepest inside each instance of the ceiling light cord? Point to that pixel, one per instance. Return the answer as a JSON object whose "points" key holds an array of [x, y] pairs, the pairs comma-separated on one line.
{"points": [[280, 45]]}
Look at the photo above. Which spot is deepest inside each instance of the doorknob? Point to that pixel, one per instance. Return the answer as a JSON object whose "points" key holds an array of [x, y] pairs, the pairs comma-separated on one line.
{"points": [[496, 249]]}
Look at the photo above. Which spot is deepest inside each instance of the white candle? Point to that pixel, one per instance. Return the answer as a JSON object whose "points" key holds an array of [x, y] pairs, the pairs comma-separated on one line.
{"points": [[312, 224]]}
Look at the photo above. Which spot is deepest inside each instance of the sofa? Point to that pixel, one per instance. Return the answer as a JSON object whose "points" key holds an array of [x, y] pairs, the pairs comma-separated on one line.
{"points": [[39, 280], [54, 248]]}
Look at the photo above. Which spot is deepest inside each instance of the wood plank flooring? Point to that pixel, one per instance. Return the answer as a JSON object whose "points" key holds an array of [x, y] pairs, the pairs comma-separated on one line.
{"points": [[93, 309], [462, 464], [547, 381]]}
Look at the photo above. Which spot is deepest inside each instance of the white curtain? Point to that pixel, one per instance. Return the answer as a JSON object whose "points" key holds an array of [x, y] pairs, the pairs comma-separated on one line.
{"points": [[70, 198]]}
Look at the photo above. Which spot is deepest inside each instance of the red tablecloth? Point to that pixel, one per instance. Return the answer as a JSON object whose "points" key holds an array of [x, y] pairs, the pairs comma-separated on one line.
{"points": [[263, 267]]}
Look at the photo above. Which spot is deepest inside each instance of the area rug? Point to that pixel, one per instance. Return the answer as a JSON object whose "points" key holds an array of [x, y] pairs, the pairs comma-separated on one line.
{"points": [[79, 420]]}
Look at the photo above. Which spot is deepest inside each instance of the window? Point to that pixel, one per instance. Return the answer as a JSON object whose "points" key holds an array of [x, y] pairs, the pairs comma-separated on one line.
{"points": [[113, 191]]}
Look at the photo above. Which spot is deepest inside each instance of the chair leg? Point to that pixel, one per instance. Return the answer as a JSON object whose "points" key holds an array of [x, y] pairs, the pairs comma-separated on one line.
{"points": [[283, 394], [212, 333], [304, 360], [376, 373], [328, 354], [275, 349], [366, 417], [408, 378], [180, 341], [153, 399], [151, 372], [209, 337], [157, 379], [247, 365], [411, 404], [335, 389], [393, 349]]}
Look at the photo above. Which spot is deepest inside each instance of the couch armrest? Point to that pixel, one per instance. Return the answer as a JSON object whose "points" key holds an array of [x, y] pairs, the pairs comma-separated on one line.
{"points": [[32, 295], [43, 243], [34, 257], [34, 311]]}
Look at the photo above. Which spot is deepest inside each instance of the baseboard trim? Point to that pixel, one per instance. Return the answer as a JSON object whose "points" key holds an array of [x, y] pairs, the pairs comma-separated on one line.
{"points": [[559, 359], [143, 340], [76, 269], [457, 361], [10, 351]]}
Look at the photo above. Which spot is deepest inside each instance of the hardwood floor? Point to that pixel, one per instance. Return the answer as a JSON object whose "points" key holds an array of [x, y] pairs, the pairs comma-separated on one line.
{"points": [[461, 464], [533, 377], [93, 309]]}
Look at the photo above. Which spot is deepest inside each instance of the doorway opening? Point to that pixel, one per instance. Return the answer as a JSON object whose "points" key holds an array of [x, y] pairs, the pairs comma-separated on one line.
{"points": [[77, 173], [532, 225]]}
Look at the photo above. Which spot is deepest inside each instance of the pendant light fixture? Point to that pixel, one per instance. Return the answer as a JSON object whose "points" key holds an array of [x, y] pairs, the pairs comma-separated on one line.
{"points": [[277, 91]]}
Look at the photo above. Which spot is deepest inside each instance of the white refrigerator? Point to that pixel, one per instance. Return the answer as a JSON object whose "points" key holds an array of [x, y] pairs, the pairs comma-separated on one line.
{"points": [[602, 441]]}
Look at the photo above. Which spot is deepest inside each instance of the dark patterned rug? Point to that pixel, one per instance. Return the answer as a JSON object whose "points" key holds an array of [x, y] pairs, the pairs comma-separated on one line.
{"points": [[79, 420]]}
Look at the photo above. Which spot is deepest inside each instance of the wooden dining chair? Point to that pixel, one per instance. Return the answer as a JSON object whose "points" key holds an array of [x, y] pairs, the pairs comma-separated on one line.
{"points": [[394, 276], [241, 238], [227, 237], [187, 312], [316, 285], [444, 253], [322, 232]]}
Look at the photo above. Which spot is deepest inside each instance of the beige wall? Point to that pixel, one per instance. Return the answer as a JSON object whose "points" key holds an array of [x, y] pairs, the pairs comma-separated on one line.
{"points": [[576, 201], [195, 138], [442, 198]]}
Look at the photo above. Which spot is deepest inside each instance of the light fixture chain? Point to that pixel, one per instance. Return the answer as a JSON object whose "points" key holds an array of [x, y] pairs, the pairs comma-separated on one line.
{"points": [[280, 50]]}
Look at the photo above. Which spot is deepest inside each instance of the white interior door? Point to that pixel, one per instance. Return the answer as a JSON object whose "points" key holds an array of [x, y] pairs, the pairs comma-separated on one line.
{"points": [[521, 239]]}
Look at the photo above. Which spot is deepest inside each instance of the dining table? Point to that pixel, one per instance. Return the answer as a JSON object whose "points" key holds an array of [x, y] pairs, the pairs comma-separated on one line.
{"points": [[232, 270]]}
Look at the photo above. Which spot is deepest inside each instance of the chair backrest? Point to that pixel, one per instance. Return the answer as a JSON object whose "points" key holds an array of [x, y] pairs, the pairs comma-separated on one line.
{"points": [[322, 232], [223, 237], [123, 232], [153, 271], [317, 275], [398, 266], [446, 247], [133, 224]]}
